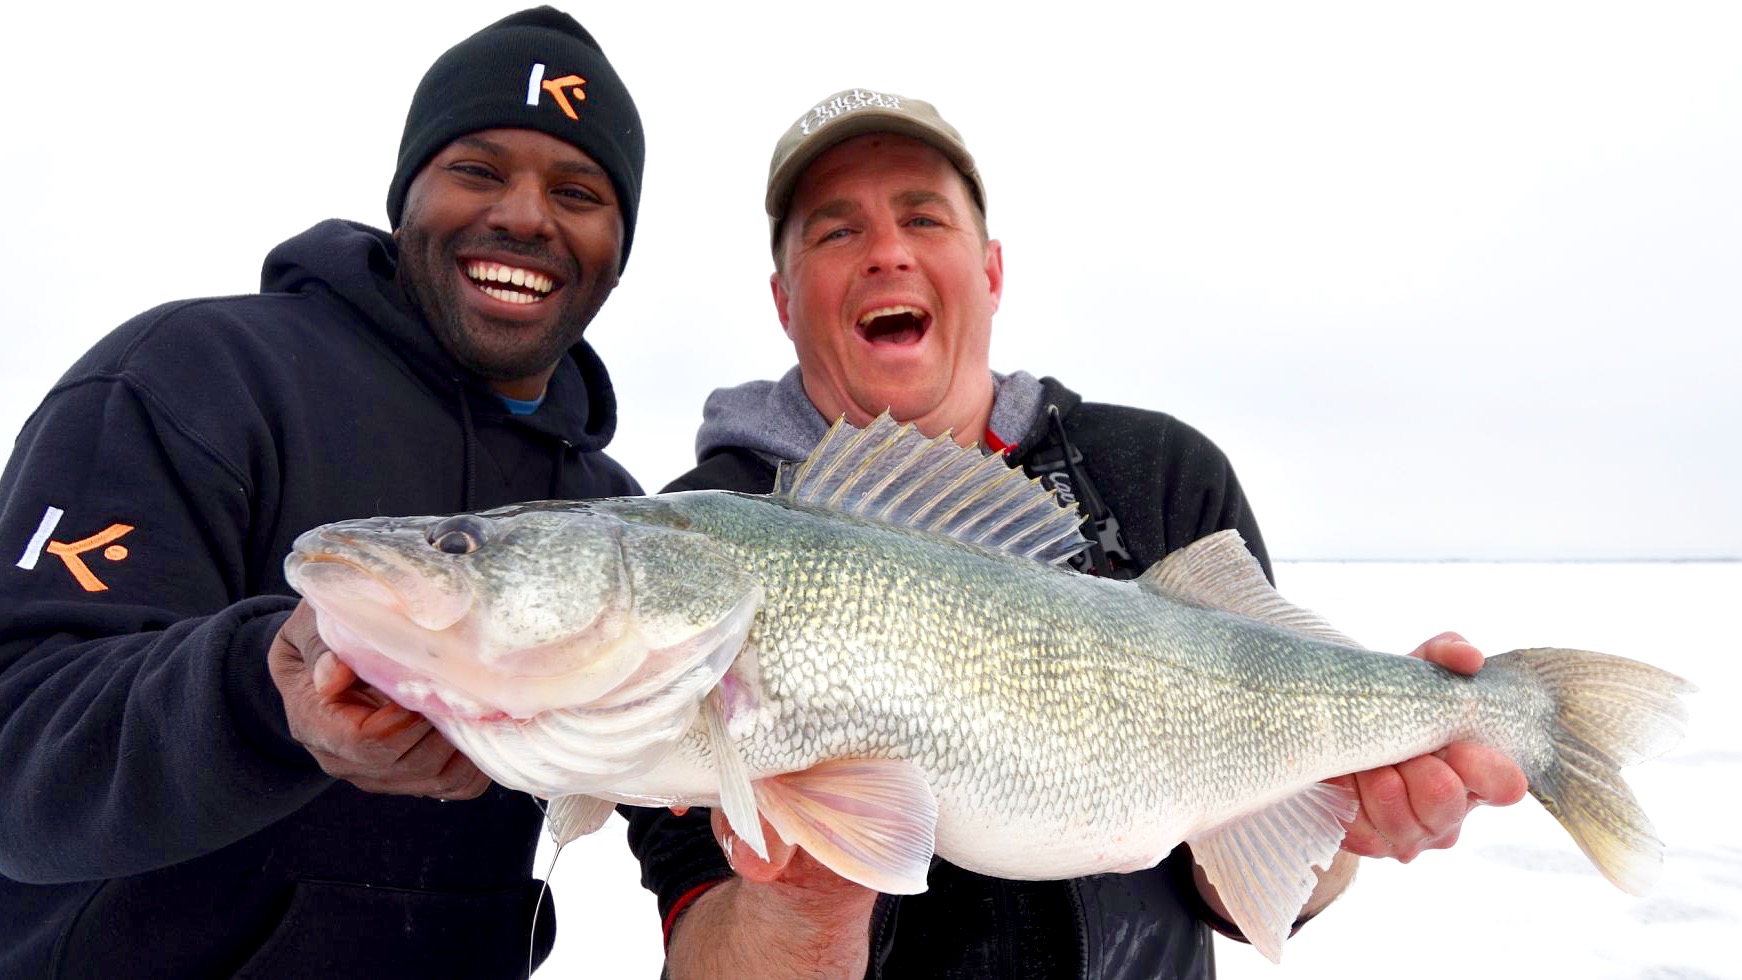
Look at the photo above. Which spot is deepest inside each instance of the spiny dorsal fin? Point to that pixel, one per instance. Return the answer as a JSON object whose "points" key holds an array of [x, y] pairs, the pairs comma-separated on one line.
{"points": [[1218, 572], [892, 473]]}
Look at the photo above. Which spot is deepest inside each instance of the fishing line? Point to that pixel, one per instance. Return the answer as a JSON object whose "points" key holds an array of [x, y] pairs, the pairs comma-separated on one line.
{"points": [[544, 889]]}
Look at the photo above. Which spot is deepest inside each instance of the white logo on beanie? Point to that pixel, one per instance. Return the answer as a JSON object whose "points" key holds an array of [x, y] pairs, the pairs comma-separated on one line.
{"points": [[840, 105], [535, 84]]}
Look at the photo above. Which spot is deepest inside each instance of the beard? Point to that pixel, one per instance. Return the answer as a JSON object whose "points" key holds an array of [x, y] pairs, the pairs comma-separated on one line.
{"points": [[496, 350]]}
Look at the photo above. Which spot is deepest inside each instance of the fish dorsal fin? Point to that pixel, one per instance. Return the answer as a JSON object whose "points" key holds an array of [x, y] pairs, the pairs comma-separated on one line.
{"points": [[1218, 572], [892, 473]]}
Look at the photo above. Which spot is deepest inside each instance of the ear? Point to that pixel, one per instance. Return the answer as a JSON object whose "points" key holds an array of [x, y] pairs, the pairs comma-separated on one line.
{"points": [[995, 271], [781, 297]]}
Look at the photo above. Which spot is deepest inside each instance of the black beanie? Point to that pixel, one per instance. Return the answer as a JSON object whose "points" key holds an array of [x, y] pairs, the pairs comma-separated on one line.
{"points": [[537, 69]]}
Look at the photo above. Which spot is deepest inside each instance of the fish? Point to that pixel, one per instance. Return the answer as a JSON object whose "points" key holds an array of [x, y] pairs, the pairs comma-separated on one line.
{"points": [[885, 658]]}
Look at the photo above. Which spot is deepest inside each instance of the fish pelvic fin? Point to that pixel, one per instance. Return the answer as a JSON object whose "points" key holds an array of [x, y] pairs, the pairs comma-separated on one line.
{"points": [[1608, 712], [871, 821], [892, 473], [1217, 571], [1262, 863], [576, 815]]}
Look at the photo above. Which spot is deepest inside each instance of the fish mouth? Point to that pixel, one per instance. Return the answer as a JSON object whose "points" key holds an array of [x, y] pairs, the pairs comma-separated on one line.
{"points": [[516, 283], [369, 625], [362, 582], [900, 325], [317, 575]]}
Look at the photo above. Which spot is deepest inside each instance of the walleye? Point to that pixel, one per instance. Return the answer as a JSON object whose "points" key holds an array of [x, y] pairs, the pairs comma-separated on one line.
{"points": [[884, 659]]}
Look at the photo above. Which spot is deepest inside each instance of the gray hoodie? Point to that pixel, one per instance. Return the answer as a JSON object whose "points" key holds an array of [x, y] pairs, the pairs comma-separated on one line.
{"points": [[776, 420]]}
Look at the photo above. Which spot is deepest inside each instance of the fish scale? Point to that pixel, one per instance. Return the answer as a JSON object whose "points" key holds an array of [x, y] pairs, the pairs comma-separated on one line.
{"points": [[1077, 676]]}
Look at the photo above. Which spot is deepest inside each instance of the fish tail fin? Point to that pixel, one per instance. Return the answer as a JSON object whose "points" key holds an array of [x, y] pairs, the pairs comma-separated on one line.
{"points": [[1608, 713]]}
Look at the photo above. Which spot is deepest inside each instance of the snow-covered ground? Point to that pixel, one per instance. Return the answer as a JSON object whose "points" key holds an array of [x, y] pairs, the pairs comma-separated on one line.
{"points": [[1515, 898]]}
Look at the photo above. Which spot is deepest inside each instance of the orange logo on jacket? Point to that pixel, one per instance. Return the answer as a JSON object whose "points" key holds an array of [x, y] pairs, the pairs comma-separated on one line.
{"points": [[72, 553], [560, 89]]}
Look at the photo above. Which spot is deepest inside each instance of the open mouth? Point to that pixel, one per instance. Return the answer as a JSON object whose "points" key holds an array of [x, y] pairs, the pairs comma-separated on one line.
{"points": [[510, 284], [899, 325]]}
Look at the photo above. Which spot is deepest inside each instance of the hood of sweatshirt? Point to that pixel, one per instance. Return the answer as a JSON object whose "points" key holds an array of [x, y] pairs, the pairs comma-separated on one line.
{"points": [[776, 420], [358, 266]]}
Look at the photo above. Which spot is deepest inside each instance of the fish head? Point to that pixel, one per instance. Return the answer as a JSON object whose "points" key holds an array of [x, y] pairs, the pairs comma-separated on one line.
{"points": [[511, 612]]}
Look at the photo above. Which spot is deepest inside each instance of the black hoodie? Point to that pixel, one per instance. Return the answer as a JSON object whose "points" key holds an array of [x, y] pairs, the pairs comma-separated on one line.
{"points": [[156, 817]]}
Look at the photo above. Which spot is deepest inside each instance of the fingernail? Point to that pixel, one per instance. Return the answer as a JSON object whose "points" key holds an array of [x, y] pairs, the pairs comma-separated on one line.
{"points": [[323, 672]]}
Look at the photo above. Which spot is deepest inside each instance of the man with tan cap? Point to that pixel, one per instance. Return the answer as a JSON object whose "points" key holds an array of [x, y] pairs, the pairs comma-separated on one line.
{"points": [[886, 282]]}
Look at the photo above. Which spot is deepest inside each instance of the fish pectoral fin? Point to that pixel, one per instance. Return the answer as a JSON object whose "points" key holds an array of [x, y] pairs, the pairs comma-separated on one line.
{"points": [[1262, 863], [737, 798], [1217, 571], [576, 815], [872, 821], [740, 691]]}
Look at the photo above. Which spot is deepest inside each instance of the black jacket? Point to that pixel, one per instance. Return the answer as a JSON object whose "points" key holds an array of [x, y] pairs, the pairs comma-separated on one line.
{"points": [[156, 818], [1167, 486]]}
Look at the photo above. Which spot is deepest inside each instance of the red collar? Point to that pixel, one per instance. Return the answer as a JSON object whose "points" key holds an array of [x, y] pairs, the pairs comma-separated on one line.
{"points": [[991, 441]]}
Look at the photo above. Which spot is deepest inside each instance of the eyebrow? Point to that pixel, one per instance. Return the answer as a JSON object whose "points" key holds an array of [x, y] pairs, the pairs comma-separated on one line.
{"points": [[918, 198], [842, 208], [827, 211], [578, 166]]}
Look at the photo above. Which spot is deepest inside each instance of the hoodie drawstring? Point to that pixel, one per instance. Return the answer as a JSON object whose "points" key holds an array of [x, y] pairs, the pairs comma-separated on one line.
{"points": [[556, 469], [469, 491], [1106, 555]]}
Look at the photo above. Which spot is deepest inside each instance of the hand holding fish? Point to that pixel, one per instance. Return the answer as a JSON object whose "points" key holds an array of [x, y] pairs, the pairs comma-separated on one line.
{"points": [[354, 732], [1420, 804], [787, 915], [748, 864]]}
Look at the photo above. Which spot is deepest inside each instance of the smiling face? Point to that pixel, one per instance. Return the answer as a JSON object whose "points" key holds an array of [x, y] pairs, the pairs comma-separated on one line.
{"points": [[511, 241], [887, 286]]}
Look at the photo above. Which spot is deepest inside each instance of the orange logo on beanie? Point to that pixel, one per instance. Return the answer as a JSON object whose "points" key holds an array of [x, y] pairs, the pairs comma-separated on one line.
{"points": [[559, 88]]}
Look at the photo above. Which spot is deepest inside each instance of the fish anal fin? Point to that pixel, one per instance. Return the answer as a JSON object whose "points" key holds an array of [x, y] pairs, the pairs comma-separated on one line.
{"points": [[577, 815], [872, 821], [1217, 571], [1262, 863]]}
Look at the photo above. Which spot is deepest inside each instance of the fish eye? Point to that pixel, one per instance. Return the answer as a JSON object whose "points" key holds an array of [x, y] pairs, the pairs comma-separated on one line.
{"points": [[459, 535]]}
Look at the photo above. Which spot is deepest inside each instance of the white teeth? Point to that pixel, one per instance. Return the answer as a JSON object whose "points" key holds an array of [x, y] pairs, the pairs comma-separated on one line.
{"points": [[508, 295], [891, 311], [496, 272]]}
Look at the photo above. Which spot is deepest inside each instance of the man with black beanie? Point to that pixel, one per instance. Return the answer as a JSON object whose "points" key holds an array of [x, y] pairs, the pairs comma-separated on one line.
{"points": [[192, 785]]}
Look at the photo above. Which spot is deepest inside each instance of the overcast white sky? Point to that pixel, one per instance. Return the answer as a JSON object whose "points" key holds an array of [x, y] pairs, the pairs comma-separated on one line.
{"points": [[1459, 281]]}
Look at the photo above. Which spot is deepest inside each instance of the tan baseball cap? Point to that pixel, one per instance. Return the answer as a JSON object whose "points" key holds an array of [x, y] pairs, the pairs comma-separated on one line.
{"points": [[851, 113]]}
